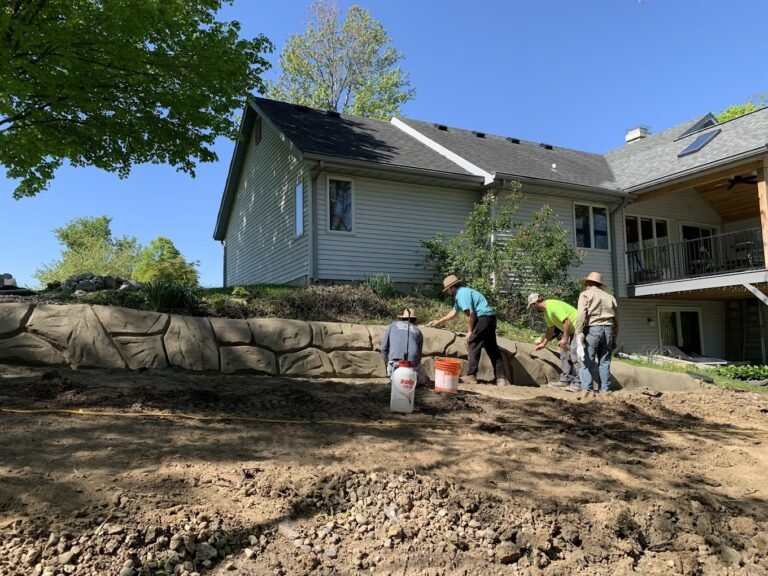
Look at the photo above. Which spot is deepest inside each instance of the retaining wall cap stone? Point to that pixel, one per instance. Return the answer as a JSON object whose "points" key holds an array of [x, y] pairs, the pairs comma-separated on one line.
{"points": [[117, 320]]}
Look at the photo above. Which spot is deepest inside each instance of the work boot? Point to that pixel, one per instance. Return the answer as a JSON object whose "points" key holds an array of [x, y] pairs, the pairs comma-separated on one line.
{"points": [[469, 379], [502, 382]]}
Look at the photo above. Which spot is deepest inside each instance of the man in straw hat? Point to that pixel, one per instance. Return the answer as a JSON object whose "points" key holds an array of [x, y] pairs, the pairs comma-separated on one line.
{"points": [[560, 316], [403, 341], [598, 324], [481, 328]]}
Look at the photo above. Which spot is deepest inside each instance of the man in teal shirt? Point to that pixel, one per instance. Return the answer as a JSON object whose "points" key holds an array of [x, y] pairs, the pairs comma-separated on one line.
{"points": [[560, 316], [481, 328]]}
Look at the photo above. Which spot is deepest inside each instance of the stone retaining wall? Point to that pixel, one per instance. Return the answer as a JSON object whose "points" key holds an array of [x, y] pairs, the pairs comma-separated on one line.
{"points": [[86, 336], [93, 336]]}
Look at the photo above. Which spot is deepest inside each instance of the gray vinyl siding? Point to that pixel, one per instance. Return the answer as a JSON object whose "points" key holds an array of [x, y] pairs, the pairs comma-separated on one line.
{"points": [[686, 207], [563, 209], [261, 245], [637, 335], [390, 219]]}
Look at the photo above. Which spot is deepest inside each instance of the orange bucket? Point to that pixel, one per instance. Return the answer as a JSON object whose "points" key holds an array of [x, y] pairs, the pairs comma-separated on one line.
{"points": [[447, 372]]}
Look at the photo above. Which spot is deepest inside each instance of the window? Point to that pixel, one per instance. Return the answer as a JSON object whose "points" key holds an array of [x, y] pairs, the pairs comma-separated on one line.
{"points": [[699, 143], [298, 198], [339, 205], [591, 224], [643, 232]]}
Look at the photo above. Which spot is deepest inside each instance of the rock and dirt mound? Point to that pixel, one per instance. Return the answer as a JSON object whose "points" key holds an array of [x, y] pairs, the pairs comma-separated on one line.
{"points": [[175, 473]]}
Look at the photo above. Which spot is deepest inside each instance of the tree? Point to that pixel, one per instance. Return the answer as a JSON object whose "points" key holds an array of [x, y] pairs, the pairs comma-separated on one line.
{"points": [[112, 83], [754, 103], [162, 261], [344, 66], [90, 247], [495, 253]]}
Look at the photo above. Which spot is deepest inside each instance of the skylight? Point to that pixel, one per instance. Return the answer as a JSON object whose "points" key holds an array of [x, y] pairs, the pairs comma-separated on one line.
{"points": [[701, 141]]}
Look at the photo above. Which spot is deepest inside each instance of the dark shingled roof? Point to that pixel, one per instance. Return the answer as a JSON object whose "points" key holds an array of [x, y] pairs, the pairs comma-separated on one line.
{"points": [[498, 155], [655, 158], [353, 138]]}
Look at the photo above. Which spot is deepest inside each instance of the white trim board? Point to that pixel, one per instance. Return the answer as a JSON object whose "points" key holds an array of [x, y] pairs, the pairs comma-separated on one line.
{"points": [[720, 281], [443, 151]]}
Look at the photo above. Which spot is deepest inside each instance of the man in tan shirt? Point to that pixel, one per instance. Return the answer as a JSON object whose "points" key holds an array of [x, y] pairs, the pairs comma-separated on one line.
{"points": [[597, 322]]}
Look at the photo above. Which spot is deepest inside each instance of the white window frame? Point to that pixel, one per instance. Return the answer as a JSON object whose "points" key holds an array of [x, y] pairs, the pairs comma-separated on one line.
{"points": [[591, 206], [351, 181], [653, 219], [298, 209], [697, 309]]}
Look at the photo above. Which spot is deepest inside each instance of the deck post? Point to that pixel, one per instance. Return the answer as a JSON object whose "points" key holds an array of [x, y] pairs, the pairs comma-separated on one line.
{"points": [[762, 195]]}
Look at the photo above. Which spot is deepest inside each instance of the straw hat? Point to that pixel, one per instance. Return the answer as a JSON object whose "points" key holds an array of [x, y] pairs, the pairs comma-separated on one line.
{"points": [[533, 297], [449, 281], [407, 313], [595, 277]]}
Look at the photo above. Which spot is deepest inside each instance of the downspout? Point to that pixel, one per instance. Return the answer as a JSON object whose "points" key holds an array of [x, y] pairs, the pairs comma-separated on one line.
{"points": [[224, 271], [312, 217], [614, 249]]}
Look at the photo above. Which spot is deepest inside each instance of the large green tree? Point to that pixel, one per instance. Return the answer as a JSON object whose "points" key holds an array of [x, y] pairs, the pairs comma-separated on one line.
{"points": [[112, 83], [88, 246], [347, 66], [754, 103], [162, 261]]}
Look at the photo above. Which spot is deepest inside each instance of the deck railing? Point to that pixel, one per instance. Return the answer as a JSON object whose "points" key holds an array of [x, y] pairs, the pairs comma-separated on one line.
{"points": [[717, 254]]}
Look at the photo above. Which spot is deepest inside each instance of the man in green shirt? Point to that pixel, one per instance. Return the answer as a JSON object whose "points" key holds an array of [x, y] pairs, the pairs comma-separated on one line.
{"points": [[560, 316]]}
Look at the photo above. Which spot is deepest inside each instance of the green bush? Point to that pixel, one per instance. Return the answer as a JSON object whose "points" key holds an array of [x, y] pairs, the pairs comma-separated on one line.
{"points": [[380, 284], [168, 296], [743, 372], [240, 292]]}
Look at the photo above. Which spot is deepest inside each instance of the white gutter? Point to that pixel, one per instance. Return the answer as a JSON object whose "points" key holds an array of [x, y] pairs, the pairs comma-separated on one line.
{"points": [[443, 151]]}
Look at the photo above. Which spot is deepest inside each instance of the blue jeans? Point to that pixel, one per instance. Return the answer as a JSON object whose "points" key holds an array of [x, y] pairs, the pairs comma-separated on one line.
{"points": [[598, 344]]}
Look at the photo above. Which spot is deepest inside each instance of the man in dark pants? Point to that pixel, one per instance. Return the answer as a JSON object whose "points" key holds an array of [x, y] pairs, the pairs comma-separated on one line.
{"points": [[481, 328]]}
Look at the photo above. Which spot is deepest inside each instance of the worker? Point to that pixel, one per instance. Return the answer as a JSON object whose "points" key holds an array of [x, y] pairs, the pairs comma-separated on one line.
{"points": [[404, 341], [597, 323], [481, 328], [560, 317]]}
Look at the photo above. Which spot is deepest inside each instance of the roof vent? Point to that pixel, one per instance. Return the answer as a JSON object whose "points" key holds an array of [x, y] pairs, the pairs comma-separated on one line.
{"points": [[546, 146], [637, 133], [479, 134], [332, 114], [301, 108], [513, 140], [442, 127]]}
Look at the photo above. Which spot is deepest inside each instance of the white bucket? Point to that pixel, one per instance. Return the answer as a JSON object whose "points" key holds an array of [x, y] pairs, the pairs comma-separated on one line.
{"points": [[403, 389]]}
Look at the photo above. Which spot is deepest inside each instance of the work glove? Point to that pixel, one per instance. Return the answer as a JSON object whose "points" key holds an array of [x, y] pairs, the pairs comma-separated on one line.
{"points": [[432, 324], [580, 347]]}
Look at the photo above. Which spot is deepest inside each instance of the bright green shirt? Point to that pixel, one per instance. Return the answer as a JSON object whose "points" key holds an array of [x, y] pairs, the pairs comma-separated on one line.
{"points": [[557, 312]]}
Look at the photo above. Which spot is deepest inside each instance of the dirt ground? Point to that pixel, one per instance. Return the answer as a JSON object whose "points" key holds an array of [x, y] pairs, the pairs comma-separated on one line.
{"points": [[178, 473]]}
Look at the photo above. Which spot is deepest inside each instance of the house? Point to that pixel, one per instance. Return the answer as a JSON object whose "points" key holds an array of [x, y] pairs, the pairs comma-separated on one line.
{"points": [[676, 221]]}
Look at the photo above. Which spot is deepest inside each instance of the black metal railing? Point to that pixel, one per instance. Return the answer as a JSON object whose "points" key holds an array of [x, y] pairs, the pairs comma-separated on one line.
{"points": [[718, 254]]}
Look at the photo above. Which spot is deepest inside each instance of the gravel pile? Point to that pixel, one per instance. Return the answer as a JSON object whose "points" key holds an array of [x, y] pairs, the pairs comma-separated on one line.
{"points": [[372, 523]]}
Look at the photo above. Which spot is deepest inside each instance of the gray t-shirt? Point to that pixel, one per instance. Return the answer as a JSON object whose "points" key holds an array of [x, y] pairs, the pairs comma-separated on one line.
{"points": [[393, 343]]}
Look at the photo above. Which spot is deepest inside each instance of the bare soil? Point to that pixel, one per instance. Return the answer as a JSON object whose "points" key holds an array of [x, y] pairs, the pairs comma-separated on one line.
{"points": [[178, 473]]}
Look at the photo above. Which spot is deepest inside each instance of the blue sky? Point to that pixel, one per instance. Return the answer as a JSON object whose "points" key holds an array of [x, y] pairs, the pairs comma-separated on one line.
{"points": [[566, 72]]}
